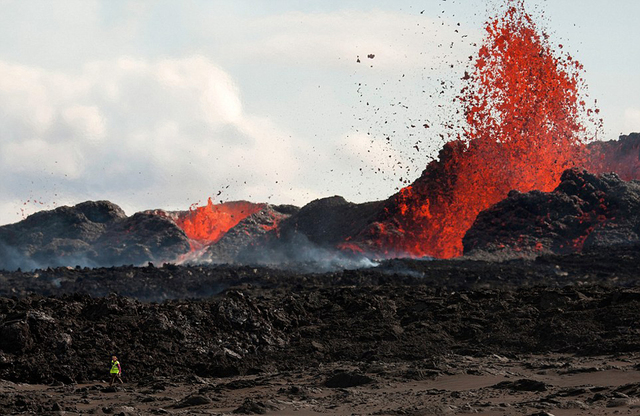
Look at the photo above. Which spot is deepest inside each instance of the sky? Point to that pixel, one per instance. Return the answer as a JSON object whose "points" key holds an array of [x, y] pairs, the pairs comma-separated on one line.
{"points": [[162, 104]]}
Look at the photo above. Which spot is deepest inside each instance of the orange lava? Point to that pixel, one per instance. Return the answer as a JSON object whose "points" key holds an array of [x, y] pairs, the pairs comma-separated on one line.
{"points": [[207, 224], [523, 109]]}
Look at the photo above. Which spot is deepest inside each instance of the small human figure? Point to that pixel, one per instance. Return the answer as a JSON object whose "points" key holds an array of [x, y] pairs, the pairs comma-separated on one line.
{"points": [[115, 370]]}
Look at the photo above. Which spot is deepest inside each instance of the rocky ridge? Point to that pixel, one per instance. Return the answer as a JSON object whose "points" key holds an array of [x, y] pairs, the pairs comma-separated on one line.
{"points": [[584, 212], [92, 233]]}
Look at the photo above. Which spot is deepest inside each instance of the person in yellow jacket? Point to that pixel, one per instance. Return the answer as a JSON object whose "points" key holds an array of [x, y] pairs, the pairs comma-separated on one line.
{"points": [[115, 370]]}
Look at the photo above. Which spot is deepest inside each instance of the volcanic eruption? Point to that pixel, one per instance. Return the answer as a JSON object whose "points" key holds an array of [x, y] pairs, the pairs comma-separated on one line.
{"points": [[525, 124], [527, 121], [554, 328]]}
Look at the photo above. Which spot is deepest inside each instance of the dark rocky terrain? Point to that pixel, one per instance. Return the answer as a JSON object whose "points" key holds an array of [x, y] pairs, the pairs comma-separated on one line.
{"points": [[255, 319], [90, 234], [225, 338], [539, 316], [585, 211]]}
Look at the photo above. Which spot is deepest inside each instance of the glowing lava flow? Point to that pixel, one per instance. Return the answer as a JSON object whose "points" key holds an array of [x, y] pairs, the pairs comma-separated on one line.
{"points": [[523, 110], [207, 224]]}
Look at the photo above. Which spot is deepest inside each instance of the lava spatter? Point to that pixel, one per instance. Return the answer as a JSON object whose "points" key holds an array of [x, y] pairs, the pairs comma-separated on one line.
{"points": [[524, 111], [207, 224]]}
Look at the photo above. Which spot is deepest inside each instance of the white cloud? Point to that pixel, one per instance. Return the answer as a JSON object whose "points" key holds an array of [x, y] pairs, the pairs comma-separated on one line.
{"points": [[158, 133], [24, 98], [88, 119], [39, 156]]}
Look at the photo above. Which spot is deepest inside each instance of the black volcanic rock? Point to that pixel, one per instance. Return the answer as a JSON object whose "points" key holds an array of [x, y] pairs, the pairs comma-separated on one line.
{"points": [[345, 379], [330, 221], [315, 237], [93, 233], [140, 238], [319, 320], [522, 385], [85, 221], [585, 212]]}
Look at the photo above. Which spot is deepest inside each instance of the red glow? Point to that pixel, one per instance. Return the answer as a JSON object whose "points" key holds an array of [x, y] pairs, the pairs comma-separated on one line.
{"points": [[207, 224], [351, 247], [523, 108]]}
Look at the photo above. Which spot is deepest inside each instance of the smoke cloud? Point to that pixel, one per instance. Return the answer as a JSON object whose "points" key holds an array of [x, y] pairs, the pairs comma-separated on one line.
{"points": [[300, 254]]}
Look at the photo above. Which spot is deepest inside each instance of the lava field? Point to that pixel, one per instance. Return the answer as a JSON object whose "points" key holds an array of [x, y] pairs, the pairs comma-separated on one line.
{"points": [[175, 325], [217, 321]]}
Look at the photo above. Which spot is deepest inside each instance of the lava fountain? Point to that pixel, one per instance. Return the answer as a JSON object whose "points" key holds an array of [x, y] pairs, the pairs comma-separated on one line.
{"points": [[525, 124]]}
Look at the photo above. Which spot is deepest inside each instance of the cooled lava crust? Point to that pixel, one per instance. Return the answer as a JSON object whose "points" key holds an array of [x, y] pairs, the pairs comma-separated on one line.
{"points": [[585, 211], [62, 324]]}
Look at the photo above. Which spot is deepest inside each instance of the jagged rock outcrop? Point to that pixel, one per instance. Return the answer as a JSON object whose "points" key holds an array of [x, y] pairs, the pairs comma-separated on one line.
{"points": [[584, 212], [315, 238], [330, 221]]}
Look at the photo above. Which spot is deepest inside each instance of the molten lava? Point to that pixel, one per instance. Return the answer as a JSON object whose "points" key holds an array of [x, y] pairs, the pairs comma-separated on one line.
{"points": [[524, 112], [207, 224]]}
